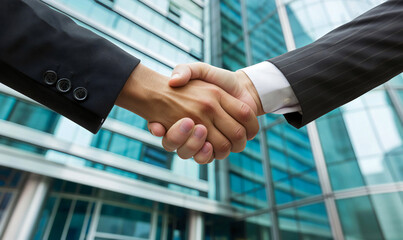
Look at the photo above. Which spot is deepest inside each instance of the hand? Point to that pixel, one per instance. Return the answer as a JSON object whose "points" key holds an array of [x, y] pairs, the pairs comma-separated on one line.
{"points": [[226, 119], [235, 83]]}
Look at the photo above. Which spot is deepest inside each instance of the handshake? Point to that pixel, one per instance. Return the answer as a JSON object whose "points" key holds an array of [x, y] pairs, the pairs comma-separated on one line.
{"points": [[206, 118]]}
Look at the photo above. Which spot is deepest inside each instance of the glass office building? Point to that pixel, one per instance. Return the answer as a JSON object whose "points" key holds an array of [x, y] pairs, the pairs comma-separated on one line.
{"points": [[338, 178]]}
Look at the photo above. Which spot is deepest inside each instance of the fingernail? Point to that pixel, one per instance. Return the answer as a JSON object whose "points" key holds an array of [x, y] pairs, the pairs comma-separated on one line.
{"points": [[151, 131], [205, 149], [199, 133], [186, 126], [176, 76]]}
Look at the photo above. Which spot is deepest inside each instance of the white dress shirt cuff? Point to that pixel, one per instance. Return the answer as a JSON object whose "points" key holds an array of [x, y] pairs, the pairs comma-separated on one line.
{"points": [[276, 94]]}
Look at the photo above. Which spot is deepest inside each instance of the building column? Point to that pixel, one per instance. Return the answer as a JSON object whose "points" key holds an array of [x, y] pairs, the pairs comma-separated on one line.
{"points": [[275, 229], [313, 134], [27, 210], [196, 225]]}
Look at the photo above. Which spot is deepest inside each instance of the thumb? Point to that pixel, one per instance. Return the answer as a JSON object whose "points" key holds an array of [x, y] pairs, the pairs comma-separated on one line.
{"points": [[181, 75], [156, 129], [224, 79]]}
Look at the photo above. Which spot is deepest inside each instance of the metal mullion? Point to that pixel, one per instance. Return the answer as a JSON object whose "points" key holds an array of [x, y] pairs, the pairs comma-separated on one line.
{"points": [[302, 202], [369, 190], [165, 218], [105, 201], [395, 101], [128, 206], [298, 203], [86, 219], [51, 219], [116, 236], [68, 220], [14, 192], [263, 140], [324, 180], [95, 220], [269, 184], [314, 138], [154, 222], [7, 212]]}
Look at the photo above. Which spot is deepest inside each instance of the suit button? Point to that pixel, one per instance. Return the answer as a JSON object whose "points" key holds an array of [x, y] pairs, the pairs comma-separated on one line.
{"points": [[80, 93], [50, 77], [63, 85]]}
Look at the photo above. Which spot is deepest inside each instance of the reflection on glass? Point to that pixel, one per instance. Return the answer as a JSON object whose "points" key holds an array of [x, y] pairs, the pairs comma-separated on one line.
{"points": [[358, 218], [306, 222], [123, 221], [292, 165]]}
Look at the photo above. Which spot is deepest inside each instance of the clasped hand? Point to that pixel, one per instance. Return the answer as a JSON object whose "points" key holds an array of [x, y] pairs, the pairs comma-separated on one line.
{"points": [[205, 119]]}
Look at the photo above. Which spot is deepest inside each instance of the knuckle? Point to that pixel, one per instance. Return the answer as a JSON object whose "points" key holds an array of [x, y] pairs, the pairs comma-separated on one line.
{"points": [[203, 64], [207, 105], [215, 90], [224, 147], [245, 112], [239, 133]]}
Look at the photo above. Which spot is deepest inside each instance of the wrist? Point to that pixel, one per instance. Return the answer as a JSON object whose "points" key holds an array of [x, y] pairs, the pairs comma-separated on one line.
{"points": [[247, 84], [142, 87]]}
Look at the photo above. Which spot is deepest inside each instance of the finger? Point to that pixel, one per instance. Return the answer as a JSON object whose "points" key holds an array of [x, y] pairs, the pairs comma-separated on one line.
{"points": [[178, 134], [183, 73], [205, 154], [194, 143], [231, 129], [156, 129], [242, 113], [180, 75], [221, 145]]}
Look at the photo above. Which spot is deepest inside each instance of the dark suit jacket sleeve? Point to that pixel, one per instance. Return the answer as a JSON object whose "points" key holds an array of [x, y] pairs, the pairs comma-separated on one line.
{"points": [[345, 63], [35, 39]]}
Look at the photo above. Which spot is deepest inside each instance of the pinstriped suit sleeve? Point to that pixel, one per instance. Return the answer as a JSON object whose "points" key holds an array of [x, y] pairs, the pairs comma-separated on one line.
{"points": [[345, 63]]}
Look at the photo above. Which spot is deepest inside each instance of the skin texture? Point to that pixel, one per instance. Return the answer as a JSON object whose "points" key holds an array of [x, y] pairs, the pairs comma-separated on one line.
{"points": [[235, 83], [210, 114]]}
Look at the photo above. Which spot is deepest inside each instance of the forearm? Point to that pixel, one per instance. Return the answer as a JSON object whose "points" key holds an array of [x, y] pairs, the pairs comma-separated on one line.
{"points": [[36, 39], [345, 63]]}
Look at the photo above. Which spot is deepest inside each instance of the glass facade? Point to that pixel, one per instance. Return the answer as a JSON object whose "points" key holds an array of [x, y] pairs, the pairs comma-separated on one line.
{"points": [[359, 143], [340, 178]]}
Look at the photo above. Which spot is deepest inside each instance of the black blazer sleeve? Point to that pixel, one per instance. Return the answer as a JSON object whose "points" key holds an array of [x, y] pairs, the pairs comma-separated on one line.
{"points": [[49, 58], [345, 63]]}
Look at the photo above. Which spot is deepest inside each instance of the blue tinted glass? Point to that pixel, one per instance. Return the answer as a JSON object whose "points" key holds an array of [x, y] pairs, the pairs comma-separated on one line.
{"points": [[77, 220], [6, 105], [33, 116], [157, 157], [358, 218], [345, 175], [44, 218], [124, 221], [60, 219]]}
